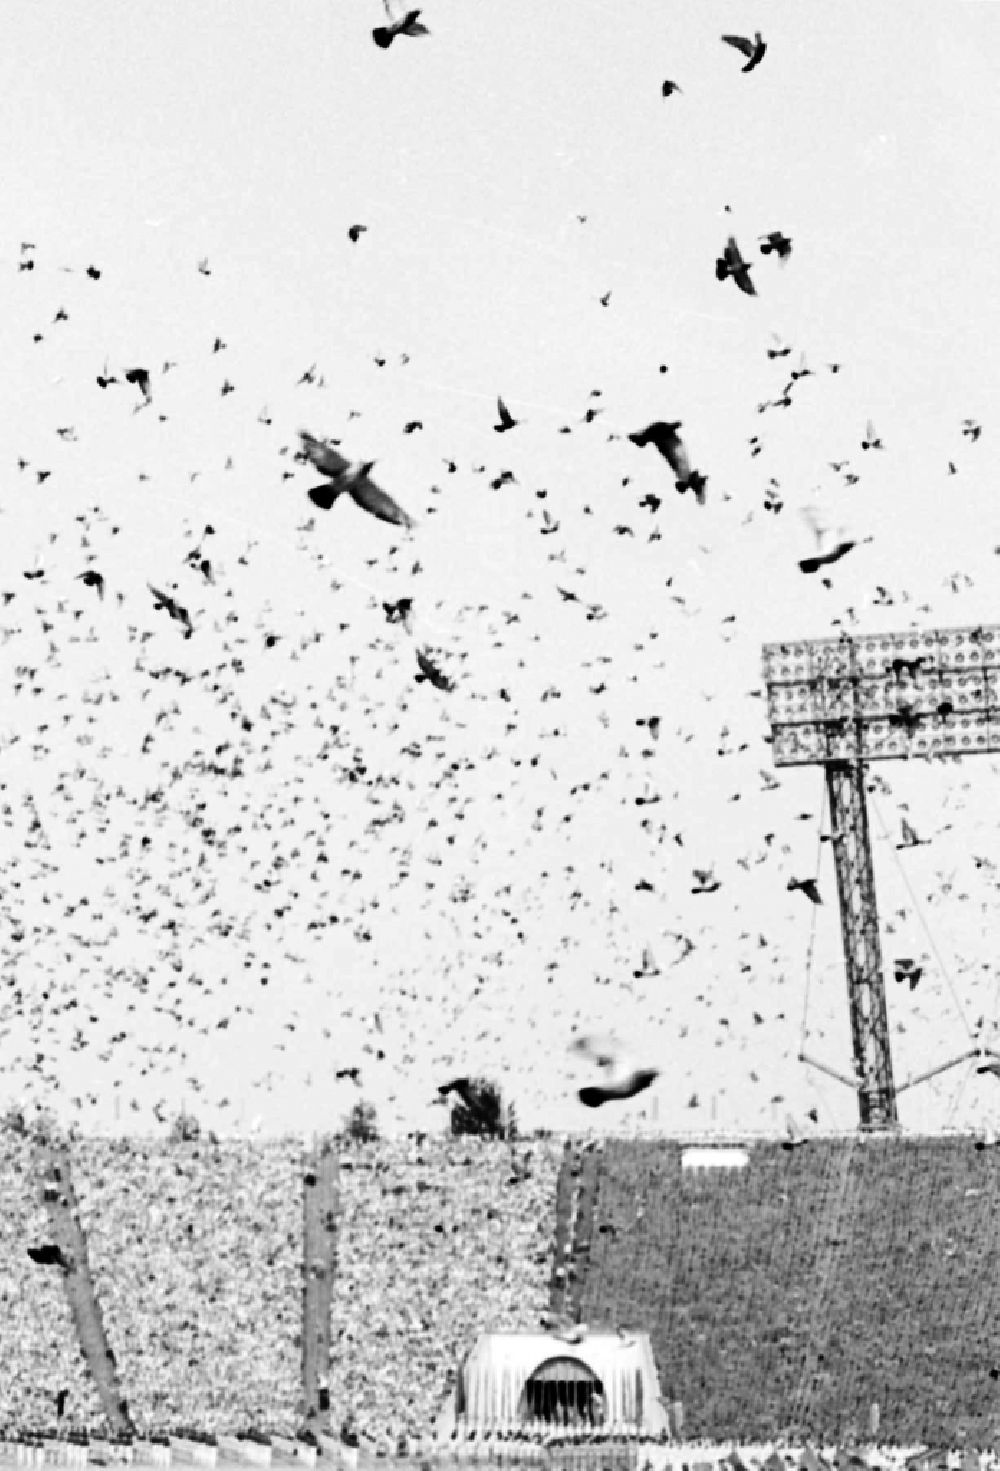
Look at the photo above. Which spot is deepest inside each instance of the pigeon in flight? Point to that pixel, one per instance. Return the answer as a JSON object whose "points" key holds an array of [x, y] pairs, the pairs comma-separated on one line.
{"points": [[908, 836], [355, 233], [622, 1080], [775, 241], [667, 442], [406, 25], [829, 549], [467, 1093], [179, 614], [871, 439], [92, 578], [907, 970], [49, 1256], [752, 50], [139, 378], [731, 263], [809, 887], [507, 421], [430, 672], [669, 88], [354, 480]]}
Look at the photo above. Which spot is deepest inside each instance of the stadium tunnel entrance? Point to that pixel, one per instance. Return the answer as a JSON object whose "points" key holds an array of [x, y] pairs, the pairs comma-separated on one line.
{"points": [[562, 1391]]}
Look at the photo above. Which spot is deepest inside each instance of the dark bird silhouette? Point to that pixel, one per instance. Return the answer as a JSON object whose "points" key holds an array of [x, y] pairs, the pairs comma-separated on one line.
{"points": [[354, 481], [705, 882], [909, 837], [467, 1093], [93, 273], [355, 232], [178, 613], [49, 1256], [669, 88], [775, 241], [92, 578], [597, 1094], [731, 263], [399, 611], [908, 970], [667, 442], [752, 50], [407, 25], [871, 439], [507, 421], [809, 887], [140, 379], [829, 549], [430, 671], [354, 1073], [971, 429]]}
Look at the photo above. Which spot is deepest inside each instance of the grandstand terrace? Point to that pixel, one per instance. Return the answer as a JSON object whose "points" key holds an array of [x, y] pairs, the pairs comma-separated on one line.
{"points": [[782, 1299]]}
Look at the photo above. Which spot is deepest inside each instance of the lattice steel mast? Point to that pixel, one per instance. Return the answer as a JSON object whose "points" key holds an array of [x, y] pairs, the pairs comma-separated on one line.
{"points": [[842, 703]]}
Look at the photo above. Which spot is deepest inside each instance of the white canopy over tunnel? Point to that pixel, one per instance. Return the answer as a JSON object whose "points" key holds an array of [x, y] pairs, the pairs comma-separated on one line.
{"points": [[608, 1378]]}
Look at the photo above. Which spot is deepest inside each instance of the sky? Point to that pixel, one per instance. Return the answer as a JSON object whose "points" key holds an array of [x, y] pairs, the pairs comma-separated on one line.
{"points": [[541, 224]]}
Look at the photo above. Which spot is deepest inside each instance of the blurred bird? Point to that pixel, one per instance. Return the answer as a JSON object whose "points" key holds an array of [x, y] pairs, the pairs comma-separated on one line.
{"points": [[465, 1090], [430, 671], [139, 377], [705, 882], [753, 50], [667, 442], [622, 1081], [871, 439], [908, 970], [507, 421], [92, 578], [399, 612], [405, 25], [669, 88], [908, 836], [354, 480], [179, 614], [808, 887], [777, 242], [829, 548], [49, 1256], [731, 263], [355, 232]]}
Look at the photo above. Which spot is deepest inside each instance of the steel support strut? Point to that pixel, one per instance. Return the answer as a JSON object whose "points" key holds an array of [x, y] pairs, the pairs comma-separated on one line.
{"points": [[862, 948]]}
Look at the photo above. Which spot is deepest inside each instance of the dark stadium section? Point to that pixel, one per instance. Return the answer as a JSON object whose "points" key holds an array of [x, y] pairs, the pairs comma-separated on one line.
{"points": [[788, 1297]]}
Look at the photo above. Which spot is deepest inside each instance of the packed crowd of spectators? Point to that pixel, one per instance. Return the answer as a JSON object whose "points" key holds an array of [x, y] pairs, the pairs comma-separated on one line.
{"points": [[196, 1255], [838, 1288], [41, 1366], [438, 1241]]}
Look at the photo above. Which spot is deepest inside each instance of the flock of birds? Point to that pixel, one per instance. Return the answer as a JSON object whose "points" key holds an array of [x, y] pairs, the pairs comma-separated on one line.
{"points": [[621, 1078]]}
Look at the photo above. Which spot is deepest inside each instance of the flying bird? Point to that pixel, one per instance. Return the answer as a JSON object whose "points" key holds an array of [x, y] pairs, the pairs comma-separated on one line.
{"points": [[430, 672], [178, 613], [355, 232], [354, 480], [752, 50], [908, 970], [406, 25], [49, 1256], [669, 88], [871, 439], [622, 1080], [829, 549], [507, 421], [908, 836], [775, 241], [809, 887], [731, 263], [92, 578], [139, 377]]}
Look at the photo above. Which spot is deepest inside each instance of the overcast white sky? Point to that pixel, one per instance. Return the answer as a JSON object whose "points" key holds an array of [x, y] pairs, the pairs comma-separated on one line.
{"points": [[145, 141]]}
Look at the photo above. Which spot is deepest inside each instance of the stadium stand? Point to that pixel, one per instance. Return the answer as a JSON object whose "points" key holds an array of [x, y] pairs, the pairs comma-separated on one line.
{"points": [[785, 1299]]}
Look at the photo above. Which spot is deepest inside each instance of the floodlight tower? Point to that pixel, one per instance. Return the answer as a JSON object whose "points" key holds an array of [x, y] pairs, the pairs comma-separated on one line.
{"points": [[840, 703]]}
